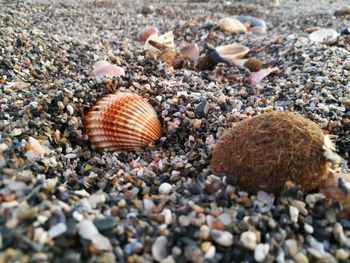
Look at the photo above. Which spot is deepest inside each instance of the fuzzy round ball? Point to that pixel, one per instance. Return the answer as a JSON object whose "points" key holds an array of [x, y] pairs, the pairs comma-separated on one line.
{"points": [[264, 152], [253, 64]]}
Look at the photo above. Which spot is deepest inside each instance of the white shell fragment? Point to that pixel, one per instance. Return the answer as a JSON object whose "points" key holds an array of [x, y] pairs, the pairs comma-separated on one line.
{"points": [[325, 36]]}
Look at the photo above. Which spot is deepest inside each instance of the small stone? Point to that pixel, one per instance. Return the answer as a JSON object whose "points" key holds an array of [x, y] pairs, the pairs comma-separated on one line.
{"points": [[57, 230], [201, 109], [3, 147], [37, 148], [223, 238], [345, 31], [159, 248], [308, 229], [210, 253], [168, 259], [147, 9], [292, 247], [249, 239], [70, 109], [261, 252], [105, 224], [204, 232], [293, 213], [168, 218], [343, 11], [165, 188], [341, 254], [301, 258], [16, 132]]}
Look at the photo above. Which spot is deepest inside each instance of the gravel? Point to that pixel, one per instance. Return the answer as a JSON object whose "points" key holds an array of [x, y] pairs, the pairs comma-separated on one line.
{"points": [[63, 201]]}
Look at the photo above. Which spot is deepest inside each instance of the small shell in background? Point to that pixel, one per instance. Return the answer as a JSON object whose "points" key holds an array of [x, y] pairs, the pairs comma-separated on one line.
{"points": [[257, 30], [122, 122], [256, 77], [165, 41], [190, 51], [145, 33], [105, 69], [252, 21], [231, 25], [337, 188], [229, 53], [326, 36], [343, 11]]}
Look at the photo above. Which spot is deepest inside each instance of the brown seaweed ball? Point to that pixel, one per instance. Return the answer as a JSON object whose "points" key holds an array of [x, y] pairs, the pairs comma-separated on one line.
{"points": [[265, 152], [253, 64]]}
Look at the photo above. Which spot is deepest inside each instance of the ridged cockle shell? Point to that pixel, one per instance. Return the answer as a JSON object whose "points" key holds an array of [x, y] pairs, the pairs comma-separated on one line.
{"points": [[122, 122]]}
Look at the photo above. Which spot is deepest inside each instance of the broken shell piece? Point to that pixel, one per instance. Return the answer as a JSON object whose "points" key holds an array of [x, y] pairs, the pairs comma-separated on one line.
{"points": [[231, 25], [337, 188], [312, 29], [122, 122], [252, 21], [190, 51], [145, 33], [257, 30], [229, 53], [165, 41], [256, 77], [325, 36], [106, 69]]}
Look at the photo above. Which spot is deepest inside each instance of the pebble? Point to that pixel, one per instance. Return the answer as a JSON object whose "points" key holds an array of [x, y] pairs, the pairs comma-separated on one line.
{"points": [[293, 213], [165, 188], [249, 239], [301, 258], [57, 230], [204, 232], [223, 238], [159, 248], [201, 109], [105, 224], [261, 251], [341, 254]]}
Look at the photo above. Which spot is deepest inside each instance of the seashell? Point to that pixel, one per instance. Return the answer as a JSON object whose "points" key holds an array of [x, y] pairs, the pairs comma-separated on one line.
{"points": [[106, 69], [325, 36], [231, 25], [337, 188], [147, 9], [165, 41], [256, 77], [257, 30], [122, 122], [190, 51], [145, 33], [251, 21], [312, 29], [229, 53]]}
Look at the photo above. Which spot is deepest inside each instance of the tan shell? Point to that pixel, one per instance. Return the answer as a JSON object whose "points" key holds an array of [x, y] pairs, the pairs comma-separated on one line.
{"points": [[232, 52], [231, 25], [122, 122]]}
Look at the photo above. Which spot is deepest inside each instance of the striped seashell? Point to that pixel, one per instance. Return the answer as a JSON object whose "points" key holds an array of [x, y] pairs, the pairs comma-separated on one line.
{"points": [[122, 122], [337, 188], [229, 53]]}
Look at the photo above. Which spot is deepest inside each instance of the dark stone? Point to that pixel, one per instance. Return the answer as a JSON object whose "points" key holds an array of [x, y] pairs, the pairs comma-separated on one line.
{"points": [[105, 224], [201, 109]]}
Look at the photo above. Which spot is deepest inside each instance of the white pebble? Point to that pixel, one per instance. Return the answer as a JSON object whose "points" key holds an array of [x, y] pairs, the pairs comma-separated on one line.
{"points": [[168, 217], [308, 229], [37, 148], [293, 213], [211, 252], [223, 238], [249, 239], [3, 147], [261, 252], [159, 248], [57, 230], [204, 232], [165, 188], [16, 132], [70, 109]]}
